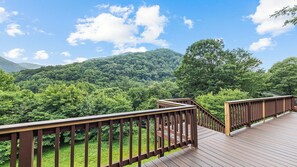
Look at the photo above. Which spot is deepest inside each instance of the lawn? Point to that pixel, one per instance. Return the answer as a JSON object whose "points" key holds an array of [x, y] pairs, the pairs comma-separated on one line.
{"points": [[49, 154]]}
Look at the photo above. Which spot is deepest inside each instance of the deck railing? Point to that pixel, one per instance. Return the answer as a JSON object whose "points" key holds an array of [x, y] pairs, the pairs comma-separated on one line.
{"points": [[245, 112], [204, 118], [178, 122]]}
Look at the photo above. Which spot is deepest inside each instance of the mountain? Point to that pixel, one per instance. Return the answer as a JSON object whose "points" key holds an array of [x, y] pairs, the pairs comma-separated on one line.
{"points": [[153, 65], [9, 66], [30, 65]]}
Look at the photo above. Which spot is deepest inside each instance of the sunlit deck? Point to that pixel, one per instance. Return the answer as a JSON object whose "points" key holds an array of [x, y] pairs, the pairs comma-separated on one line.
{"points": [[272, 143]]}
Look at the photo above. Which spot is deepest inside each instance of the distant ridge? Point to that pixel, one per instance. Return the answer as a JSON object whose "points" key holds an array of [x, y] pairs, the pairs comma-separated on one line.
{"points": [[9, 66], [155, 65]]}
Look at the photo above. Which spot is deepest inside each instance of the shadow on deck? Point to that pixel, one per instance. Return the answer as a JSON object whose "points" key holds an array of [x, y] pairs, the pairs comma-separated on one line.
{"points": [[272, 143]]}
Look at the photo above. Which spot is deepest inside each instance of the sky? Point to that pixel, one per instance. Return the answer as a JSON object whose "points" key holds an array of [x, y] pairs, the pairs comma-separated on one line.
{"points": [[52, 32]]}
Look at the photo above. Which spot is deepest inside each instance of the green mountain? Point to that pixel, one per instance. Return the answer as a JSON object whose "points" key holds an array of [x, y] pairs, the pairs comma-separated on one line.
{"points": [[9, 66], [30, 65], [153, 65]]}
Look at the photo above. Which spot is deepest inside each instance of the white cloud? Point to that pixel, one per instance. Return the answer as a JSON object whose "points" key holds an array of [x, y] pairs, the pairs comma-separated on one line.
{"points": [[188, 22], [261, 44], [121, 11], [66, 54], [79, 60], [119, 27], [41, 55], [153, 23], [41, 31], [4, 15], [124, 50], [268, 25], [13, 30], [14, 53]]}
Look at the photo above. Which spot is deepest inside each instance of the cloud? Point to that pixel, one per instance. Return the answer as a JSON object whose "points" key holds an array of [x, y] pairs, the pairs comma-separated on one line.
{"points": [[188, 22], [4, 15], [121, 11], [122, 27], [124, 50], [41, 31], [13, 30], [153, 23], [266, 24], [99, 49], [14, 53], [77, 60], [41, 55], [66, 54], [261, 44]]}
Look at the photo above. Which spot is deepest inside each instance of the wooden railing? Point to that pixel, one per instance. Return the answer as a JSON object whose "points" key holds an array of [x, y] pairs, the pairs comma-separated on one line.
{"points": [[179, 122], [204, 118], [242, 113]]}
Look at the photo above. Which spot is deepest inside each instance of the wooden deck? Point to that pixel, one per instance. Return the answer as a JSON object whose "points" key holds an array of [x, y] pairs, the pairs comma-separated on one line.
{"points": [[273, 143]]}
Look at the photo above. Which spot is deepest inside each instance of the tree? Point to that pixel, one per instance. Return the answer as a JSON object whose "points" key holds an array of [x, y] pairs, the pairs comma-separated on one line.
{"points": [[207, 67], [215, 102], [291, 12], [7, 82], [283, 76]]}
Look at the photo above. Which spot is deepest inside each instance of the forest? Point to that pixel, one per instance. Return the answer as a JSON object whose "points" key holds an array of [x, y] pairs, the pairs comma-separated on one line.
{"points": [[135, 81]]}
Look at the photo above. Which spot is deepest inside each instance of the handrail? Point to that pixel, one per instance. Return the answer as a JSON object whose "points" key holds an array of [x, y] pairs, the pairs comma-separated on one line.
{"points": [[205, 118], [180, 119], [240, 113]]}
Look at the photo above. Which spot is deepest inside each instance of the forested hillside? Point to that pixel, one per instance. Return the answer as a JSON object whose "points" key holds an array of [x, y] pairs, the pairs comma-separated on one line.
{"points": [[154, 65]]}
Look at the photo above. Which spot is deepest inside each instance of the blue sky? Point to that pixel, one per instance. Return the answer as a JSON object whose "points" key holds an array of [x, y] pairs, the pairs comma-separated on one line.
{"points": [[59, 32]]}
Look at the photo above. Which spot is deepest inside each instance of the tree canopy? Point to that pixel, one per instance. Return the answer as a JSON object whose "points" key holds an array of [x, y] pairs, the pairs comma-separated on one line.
{"points": [[207, 67], [283, 76]]}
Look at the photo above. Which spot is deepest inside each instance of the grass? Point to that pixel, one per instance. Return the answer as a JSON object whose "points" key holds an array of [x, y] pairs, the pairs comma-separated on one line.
{"points": [[64, 160]]}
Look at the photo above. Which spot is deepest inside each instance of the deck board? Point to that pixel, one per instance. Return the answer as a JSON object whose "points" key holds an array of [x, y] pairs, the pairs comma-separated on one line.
{"points": [[272, 143]]}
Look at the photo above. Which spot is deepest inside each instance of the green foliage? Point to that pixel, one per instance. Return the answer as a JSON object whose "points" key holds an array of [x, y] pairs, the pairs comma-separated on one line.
{"points": [[207, 67], [154, 65], [290, 12], [283, 76], [7, 82], [215, 102]]}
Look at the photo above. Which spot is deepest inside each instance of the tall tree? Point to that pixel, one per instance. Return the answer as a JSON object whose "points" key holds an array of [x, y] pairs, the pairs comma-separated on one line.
{"points": [[207, 67], [283, 76]]}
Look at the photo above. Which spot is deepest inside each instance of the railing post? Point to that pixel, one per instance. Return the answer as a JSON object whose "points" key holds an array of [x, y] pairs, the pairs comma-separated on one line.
{"points": [[284, 104], [26, 150], [264, 110], [249, 114], [275, 108], [293, 104], [195, 131], [227, 119]]}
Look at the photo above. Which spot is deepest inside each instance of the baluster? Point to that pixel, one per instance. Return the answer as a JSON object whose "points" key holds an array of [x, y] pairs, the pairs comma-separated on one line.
{"points": [[181, 128], [121, 142], [99, 145], [13, 150], [162, 132], [147, 136], [110, 142], [155, 135], [130, 140], [168, 127], [175, 130], [72, 146], [139, 142], [57, 147], [186, 124], [87, 145]]}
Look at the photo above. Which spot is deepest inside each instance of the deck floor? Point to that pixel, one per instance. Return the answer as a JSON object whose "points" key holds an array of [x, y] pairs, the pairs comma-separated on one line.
{"points": [[273, 143]]}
